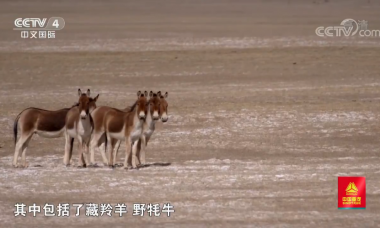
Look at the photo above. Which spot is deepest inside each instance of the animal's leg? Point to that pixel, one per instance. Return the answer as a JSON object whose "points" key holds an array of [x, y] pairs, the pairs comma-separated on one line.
{"points": [[19, 146], [92, 149], [101, 146], [71, 149], [87, 152], [15, 156], [68, 148], [113, 147], [93, 143], [82, 162], [109, 140], [142, 148], [134, 157], [24, 148], [116, 150], [128, 149], [138, 152]]}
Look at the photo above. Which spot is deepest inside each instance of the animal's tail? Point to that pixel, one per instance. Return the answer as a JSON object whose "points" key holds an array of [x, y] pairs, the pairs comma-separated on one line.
{"points": [[15, 126]]}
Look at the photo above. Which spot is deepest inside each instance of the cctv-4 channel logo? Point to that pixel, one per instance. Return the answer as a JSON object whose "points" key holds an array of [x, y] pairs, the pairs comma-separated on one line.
{"points": [[39, 28]]}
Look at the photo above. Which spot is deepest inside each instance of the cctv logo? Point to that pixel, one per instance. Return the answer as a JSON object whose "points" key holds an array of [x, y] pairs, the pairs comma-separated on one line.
{"points": [[39, 28], [30, 22]]}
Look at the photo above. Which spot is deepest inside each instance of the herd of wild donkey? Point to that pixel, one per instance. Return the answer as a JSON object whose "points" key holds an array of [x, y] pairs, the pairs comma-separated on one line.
{"points": [[95, 127]]}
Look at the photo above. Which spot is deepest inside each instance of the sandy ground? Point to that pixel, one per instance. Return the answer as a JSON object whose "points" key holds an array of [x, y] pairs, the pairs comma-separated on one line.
{"points": [[263, 115]]}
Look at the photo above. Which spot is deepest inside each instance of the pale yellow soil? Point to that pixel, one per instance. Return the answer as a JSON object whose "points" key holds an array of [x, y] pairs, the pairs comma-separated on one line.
{"points": [[263, 115]]}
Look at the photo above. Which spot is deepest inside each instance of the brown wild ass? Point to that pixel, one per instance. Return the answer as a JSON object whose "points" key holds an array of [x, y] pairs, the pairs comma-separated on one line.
{"points": [[128, 126], [98, 136], [45, 123], [79, 125], [150, 123], [163, 106], [157, 105]]}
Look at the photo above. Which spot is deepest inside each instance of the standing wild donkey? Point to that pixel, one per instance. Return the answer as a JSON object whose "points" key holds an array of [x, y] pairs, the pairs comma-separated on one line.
{"points": [[128, 126], [45, 123], [79, 125], [98, 137], [150, 123]]}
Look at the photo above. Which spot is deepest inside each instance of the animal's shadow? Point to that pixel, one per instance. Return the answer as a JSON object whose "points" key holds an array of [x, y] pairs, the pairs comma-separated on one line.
{"points": [[155, 164], [162, 164], [147, 165]]}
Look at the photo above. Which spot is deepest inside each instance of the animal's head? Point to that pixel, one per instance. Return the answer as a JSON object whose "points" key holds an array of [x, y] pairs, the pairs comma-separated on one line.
{"points": [[86, 104], [142, 104], [154, 105], [163, 106]]}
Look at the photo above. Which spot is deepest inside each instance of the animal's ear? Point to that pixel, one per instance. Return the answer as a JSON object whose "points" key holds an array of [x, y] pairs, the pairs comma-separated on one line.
{"points": [[138, 93], [96, 98], [151, 93], [79, 92], [146, 93], [159, 94], [88, 92], [166, 95]]}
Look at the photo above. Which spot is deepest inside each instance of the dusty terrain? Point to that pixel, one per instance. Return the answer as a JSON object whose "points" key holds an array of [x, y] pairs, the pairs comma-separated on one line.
{"points": [[263, 115]]}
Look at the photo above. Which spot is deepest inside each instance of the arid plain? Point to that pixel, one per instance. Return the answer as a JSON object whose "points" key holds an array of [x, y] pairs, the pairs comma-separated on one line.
{"points": [[263, 114]]}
